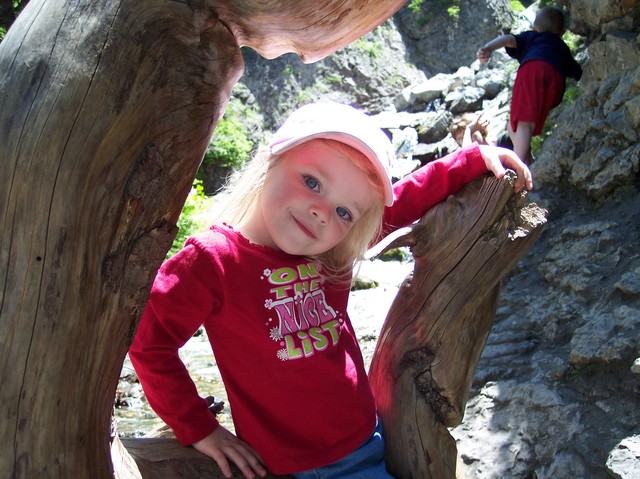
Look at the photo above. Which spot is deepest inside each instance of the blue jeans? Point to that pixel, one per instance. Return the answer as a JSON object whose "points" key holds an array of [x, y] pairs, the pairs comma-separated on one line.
{"points": [[366, 462]]}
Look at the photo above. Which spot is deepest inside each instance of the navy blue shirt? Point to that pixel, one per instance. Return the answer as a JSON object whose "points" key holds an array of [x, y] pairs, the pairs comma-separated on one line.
{"points": [[547, 47]]}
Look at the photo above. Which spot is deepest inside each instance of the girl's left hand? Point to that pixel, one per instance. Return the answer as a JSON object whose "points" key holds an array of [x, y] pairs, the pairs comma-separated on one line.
{"points": [[497, 158]]}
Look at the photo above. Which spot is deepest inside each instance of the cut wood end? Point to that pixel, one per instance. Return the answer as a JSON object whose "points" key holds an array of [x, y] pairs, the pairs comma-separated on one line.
{"points": [[397, 239]]}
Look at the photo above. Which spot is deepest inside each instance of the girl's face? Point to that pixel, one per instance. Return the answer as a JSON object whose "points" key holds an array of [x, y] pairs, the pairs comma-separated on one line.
{"points": [[310, 201]]}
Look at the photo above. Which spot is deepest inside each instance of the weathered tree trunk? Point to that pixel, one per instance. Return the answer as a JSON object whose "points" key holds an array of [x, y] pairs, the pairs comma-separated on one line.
{"points": [[435, 331], [106, 108]]}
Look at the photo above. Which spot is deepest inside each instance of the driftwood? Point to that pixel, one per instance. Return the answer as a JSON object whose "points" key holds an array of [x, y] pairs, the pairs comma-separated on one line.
{"points": [[435, 331], [106, 109]]}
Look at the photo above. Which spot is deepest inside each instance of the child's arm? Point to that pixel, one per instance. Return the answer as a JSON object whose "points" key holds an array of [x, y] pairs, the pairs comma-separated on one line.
{"points": [[180, 300], [484, 53], [416, 193], [467, 136], [574, 69], [173, 313]]}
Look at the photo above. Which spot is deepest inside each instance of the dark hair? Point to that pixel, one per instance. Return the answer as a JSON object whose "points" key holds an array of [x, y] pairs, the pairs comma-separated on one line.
{"points": [[550, 19], [504, 141]]}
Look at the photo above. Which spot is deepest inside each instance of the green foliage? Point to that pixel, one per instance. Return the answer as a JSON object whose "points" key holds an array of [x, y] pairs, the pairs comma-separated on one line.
{"points": [[359, 284], [571, 94], [193, 217], [287, 71], [370, 48], [517, 6], [9, 11], [538, 141], [427, 11], [394, 254], [547, 3], [414, 6], [510, 68], [230, 146], [334, 78], [304, 97], [572, 40]]}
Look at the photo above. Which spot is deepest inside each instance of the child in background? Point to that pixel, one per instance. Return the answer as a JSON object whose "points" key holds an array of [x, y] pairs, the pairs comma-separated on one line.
{"points": [[470, 127], [545, 63], [270, 283]]}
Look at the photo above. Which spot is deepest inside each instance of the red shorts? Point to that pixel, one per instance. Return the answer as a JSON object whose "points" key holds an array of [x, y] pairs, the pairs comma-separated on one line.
{"points": [[538, 88]]}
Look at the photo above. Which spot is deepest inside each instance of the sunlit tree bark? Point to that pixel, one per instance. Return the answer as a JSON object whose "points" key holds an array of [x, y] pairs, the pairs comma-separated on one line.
{"points": [[435, 331], [106, 108]]}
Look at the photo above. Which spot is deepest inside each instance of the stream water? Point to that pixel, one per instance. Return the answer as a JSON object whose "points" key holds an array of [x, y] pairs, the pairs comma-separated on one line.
{"points": [[367, 310]]}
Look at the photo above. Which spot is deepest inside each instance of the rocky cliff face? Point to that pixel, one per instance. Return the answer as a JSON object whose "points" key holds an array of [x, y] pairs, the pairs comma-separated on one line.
{"points": [[557, 391]]}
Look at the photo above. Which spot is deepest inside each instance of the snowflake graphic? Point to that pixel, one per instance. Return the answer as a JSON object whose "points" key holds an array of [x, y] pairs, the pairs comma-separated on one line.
{"points": [[282, 355], [267, 272], [268, 303], [275, 334]]}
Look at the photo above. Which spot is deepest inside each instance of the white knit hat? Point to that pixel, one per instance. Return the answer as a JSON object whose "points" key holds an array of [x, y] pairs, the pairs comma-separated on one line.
{"points": [[334, 121]]}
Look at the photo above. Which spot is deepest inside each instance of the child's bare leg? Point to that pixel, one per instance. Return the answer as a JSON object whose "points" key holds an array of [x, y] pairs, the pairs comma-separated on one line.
{"points": [[521, 139]]}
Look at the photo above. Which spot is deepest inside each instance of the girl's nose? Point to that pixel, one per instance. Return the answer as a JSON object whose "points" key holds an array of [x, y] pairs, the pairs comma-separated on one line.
{"points": [[320, 212]]}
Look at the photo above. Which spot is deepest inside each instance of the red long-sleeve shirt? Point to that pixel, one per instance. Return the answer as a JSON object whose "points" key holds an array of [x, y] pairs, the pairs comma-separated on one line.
{"points": [[283, 341]]}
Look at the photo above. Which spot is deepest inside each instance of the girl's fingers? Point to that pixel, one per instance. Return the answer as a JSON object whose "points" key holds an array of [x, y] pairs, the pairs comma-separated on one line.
{"points": [[497, 159]]}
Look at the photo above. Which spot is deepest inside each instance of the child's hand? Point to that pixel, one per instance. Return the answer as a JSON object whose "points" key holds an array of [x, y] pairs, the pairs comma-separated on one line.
{"points": [[478, 129], [497, 158], [480, 124], [222, 446], [483, 54]]}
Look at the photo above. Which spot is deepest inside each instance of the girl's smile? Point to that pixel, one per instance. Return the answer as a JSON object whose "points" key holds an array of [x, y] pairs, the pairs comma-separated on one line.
{"points": [[310, 200]]}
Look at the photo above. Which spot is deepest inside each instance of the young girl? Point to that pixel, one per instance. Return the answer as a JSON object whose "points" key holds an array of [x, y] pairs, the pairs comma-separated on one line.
{"points": [[270, 283]]}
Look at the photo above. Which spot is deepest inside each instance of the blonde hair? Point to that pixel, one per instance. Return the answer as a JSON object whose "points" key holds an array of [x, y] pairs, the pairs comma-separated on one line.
{"points": [[242, 193], [550, 19], [459, 125], [243, 188]]}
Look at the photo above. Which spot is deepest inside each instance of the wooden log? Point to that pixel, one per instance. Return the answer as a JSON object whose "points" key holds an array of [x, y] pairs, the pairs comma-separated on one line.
{"points": [[159, 454], [435, 331], [166, 458], [106, 109]]}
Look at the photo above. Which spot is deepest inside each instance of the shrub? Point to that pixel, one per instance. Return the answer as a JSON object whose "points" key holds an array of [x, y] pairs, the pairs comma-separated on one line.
{"points": [[517, 6], [230, 146], [193, 217]]}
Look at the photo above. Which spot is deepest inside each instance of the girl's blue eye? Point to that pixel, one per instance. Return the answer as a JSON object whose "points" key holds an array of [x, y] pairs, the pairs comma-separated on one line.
{"points": [[312, 182], [343, 213]]}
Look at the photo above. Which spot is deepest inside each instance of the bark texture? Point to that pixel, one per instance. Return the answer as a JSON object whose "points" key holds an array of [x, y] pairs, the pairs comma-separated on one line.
{"points": [[106, 109], [435, 331]]}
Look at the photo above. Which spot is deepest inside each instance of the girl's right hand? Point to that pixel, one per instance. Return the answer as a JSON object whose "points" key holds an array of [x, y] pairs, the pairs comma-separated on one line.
{"points": [[223, 446], [496, 159]]}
